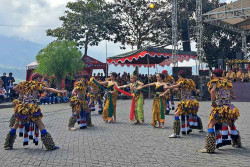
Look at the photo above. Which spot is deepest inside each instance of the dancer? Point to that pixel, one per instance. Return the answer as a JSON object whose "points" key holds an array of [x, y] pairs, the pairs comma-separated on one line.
{"points": [[223, 112], [79, 104], [138, 99], [187, 108], [94, 95], [28, 115], [158, 118], [169, 81], [109, 111]]}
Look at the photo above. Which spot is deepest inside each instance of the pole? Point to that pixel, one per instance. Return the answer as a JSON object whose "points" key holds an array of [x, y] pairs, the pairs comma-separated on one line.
{"points": [[148, 77], [106, 60]]}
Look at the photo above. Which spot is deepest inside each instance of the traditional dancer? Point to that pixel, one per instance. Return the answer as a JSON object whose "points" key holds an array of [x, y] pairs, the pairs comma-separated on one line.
{"points": [[28, 115], [95, 95], [109, 111], [223, 112], [187, 107], [159, 101], [138, 114], [169, 80], [79, 104]]}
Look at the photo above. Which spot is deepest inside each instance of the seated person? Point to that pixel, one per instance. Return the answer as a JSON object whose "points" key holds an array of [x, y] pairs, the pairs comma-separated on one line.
{"points": [[247, 76], [2, 91], [240, 75], [231, 75]]}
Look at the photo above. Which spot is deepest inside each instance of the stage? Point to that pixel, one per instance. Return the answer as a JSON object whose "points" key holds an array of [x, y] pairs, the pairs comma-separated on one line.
{"points": [[242, 91]]}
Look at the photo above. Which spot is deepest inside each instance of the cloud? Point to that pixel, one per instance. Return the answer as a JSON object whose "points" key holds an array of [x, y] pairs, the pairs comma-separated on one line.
{"points": [[42, 13]]}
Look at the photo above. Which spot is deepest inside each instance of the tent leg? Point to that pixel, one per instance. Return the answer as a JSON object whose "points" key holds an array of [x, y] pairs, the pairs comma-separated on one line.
{"points": [[148, 78]]}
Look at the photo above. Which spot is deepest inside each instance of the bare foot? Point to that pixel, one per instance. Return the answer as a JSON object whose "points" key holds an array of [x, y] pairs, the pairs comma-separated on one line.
{"points": [[142, 122], [163, 126], [72, 128]]}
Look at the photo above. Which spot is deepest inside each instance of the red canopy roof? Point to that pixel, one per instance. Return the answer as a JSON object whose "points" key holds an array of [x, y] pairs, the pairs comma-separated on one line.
{"points": [[91, 64], [151, 55]]}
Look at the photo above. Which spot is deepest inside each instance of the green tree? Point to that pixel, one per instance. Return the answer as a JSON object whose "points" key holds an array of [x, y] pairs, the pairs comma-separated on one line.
{"points": [[86, 22], [60, 59], [140, 25]]}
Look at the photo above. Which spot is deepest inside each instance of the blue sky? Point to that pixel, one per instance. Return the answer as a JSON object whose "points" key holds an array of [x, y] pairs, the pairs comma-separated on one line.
{"points": [[45, 13]]}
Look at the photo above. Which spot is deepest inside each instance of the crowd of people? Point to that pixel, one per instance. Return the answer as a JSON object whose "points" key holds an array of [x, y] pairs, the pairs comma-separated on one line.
{"points": [[238, 75]]}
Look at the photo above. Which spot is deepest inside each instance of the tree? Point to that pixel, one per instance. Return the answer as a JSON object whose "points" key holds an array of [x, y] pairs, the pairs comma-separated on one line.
{"points": [[141, 26], [60, 59], [86, 22]]}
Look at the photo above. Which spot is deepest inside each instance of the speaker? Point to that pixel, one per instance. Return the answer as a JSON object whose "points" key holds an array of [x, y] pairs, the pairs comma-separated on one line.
{"points": [[240, 55], [204, 73], [222, 64], [188, 71], [185, 35]]}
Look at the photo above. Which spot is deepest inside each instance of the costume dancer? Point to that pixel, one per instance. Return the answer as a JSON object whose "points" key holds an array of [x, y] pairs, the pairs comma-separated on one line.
{"points": [[109, 111], [138, 114], [158, 118], [28, 115], [79, 104], [169, 80], [223, 112], [95, 95], [187, 108]]}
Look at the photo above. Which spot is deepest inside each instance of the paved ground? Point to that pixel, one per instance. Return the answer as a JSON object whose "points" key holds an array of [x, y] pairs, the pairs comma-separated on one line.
{"points": [[122, 144]]}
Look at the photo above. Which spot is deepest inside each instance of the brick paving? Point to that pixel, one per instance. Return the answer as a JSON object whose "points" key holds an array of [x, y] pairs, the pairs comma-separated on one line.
{"points": [[122, 144]]}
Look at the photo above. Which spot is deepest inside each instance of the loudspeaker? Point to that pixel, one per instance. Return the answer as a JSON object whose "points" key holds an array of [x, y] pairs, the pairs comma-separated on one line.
{"points": [[188, 71], [204, 73], [185, 35], [222, 64], [240, 55]]}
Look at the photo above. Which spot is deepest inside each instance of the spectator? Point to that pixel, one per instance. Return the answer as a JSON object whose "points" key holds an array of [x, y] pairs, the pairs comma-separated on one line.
{"points": [[231, 75], [13, 94], [247, 76], [240, 75], [9, 83], [4, 77], [2, 91]]}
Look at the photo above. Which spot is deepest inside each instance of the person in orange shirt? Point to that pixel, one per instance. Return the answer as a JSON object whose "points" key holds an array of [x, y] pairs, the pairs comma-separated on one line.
{"points": [[231, 75], [240, 75]]}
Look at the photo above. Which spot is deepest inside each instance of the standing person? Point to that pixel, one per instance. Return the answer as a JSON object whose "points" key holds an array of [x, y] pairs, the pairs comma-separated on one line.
{"points": [[79, 104], [158, 117], [223, 112], [109, 111], [187, 107], [28, 115], [169, 80], [9, 83], [138, 99], [4, 77], [94, 94]]}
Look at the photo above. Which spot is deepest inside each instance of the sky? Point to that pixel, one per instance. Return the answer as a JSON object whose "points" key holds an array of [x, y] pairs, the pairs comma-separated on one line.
{"points": [[29, 19]]}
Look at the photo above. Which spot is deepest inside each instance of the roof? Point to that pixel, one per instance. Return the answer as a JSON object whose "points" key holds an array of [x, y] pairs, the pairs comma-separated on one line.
{"points": [[149, 55], [234, 16]]}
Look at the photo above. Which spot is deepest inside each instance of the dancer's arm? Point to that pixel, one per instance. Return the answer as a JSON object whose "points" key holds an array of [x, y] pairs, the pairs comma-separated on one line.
{"points": [[145, 86], [170, 87], [52, 90]]}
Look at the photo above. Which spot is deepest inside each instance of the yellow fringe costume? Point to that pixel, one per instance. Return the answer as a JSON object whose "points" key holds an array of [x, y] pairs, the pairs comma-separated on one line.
{"points": [[187, 105], [158, 105], [224, 111], [106, 111], [25, 108]]}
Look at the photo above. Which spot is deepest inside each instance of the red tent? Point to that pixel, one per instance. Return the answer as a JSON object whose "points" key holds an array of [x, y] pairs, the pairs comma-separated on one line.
{"points": [[91, 64]]}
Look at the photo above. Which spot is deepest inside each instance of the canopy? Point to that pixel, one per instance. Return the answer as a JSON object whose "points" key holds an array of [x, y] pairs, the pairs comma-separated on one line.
{"points": [[91, 64], [233, 16], [149, 56]]}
